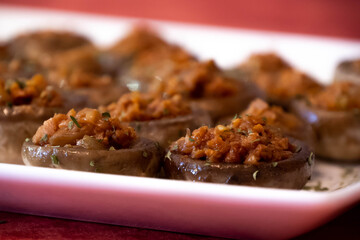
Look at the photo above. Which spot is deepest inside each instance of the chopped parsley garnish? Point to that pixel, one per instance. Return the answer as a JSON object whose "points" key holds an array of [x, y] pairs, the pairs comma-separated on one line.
{"points": [[311, 158], [274, 164], [256, 140], [138, 127], [264, 119], [9, 104], [145, 154], [255, 174], [106, 116], [92, 163], [112, 148], [54, 159], [44, 138], [174, 147], [168, 155], [298, 149], [166, 111], [235, 117], [20, 84], [27, 139], [75, 121], [242, 132], [191, 139]]}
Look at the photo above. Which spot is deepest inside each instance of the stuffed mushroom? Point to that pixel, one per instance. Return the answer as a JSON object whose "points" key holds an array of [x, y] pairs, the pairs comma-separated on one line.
{"points": [[24, 107], [246, 152], [89, 140], [163, 119], [334, 114]]}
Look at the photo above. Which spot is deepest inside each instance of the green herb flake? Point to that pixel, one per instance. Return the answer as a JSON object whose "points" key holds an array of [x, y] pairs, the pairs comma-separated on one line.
{"points": [[298, 149], [75, 121], [166, 111], [145, 154], [27, 139], [44, 138], [54, 159], [138, 127], [274, 164], [112, 148], [191, 139], [311, 158], [168, 155], [9, 104], [207, 164], [174, 147], [256, 140], [264, 119], [106, 116], [70, 125], [20, 84], [235, 117], [242, 132], [255, 174], [92, 163]]}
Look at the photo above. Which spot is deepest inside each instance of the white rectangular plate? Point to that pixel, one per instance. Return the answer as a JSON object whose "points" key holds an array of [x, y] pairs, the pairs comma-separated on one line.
{"points": [[202, 208]]}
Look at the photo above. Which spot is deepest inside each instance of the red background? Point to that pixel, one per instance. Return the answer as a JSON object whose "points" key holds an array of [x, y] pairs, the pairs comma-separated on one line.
{"points": [[336, 18]]}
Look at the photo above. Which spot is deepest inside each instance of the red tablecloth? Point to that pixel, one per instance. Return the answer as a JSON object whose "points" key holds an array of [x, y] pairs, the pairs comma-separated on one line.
{"points": [[18, 226]]}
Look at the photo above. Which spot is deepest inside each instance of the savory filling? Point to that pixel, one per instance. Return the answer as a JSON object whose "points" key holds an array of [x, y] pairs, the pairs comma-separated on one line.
{"points": [[34, 91], [197, 80], [159, 62], [247, 140], [267, 62], [140, 39], [339, 96], [88, 128], [40, 46], [277, 78], [144, 107], [273, 115], [287, 84], [78, 68]]}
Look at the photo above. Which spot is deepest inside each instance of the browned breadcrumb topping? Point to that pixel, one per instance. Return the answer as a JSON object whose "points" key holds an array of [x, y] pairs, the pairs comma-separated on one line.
{"points": [[159, 61], [273, 115], [137, 106], [265, 62], [138, 40], [247, 140], [78, 68], [41, 45], [34, 91], [197, 80], [73, 127], [339, 96], [287, 84]]}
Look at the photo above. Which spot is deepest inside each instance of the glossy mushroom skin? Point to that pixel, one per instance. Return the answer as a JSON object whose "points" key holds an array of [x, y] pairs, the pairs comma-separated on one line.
{"points": [[337, 133], [17, 124], [167, 130], [348, 71], [142, 159], [292, 173]]}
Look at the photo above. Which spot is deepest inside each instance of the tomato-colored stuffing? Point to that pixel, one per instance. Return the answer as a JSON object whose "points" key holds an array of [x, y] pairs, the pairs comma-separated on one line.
{"points": [[247, 140], [144, 107], [75, 127]]}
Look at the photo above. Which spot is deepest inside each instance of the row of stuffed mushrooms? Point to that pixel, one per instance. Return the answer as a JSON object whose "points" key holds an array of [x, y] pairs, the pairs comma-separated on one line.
{"points": [[146, 107]]}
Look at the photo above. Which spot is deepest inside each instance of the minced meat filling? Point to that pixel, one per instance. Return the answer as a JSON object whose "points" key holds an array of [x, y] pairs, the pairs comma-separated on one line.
{"points": [[197, 80], [34, 91], [267, 62], [144, 107], [286, 84], [77, 68], [74, 128], [273, 115], [247, 140], [339, 96]]}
